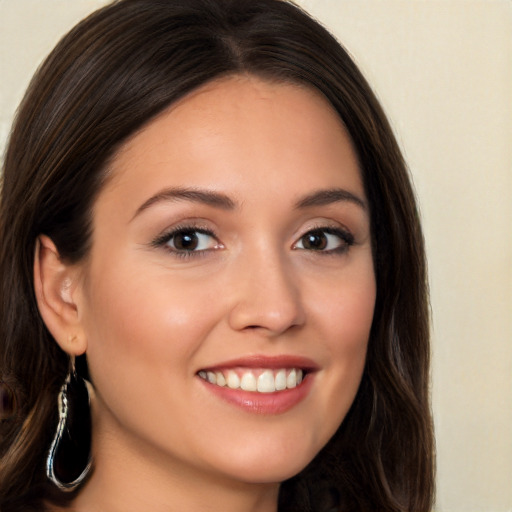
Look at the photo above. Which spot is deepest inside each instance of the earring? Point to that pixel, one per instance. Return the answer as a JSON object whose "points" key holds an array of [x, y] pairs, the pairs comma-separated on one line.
{"points": [[69, 459]]}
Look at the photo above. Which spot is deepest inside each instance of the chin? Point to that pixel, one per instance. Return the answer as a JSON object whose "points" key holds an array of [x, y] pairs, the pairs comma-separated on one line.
{"points": [[270, 469]]}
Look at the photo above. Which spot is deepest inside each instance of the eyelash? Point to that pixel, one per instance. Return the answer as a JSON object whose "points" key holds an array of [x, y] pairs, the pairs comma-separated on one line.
{"points": [[346, 238], [162, 241]]}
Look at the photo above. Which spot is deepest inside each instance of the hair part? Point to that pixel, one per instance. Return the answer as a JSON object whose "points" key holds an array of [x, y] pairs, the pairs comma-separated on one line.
{"points": [[105, 80]]}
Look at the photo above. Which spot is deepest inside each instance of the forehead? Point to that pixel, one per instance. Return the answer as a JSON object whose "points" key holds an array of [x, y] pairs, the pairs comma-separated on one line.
{"points": [[237, 129]]}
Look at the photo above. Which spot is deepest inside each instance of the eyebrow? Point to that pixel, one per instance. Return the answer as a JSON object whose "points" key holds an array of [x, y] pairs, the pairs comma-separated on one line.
{"points": [[329, 196], [222, 201], [210, 198]]}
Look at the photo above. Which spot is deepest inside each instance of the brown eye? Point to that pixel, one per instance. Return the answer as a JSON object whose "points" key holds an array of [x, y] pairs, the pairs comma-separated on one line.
{"points": [[188, 241], [314, 240], [185, 241], [327, 240]]}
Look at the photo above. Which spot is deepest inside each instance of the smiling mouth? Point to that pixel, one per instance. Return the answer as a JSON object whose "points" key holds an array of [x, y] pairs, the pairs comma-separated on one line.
{"points": [[261, 380]]}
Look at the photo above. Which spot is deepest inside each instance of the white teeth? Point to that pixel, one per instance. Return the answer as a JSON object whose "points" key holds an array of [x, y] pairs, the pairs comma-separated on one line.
{"points": [[221, 381], [233, 380], [291, 380], [281, 380], [248, 382], [268, 381]]}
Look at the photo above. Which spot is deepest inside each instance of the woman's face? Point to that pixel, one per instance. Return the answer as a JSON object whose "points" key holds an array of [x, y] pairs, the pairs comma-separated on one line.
{"points": [[230, 254]]}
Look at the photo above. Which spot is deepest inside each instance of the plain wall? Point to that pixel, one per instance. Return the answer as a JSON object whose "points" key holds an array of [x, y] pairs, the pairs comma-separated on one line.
{"points": [[443, 71]]}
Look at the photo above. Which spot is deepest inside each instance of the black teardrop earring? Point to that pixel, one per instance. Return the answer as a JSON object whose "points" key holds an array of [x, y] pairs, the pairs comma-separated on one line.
{"points": [[69, 459]]}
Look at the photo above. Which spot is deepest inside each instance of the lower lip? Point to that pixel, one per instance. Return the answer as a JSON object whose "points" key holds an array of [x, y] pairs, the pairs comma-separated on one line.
{"points": [[263, 403]]}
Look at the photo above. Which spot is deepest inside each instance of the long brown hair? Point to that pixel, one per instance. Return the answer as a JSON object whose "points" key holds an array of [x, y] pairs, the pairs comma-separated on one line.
{"points": [[105, 80]]}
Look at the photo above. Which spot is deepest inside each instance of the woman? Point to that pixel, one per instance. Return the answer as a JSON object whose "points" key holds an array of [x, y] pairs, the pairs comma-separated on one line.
{"points": [[205, 214]]}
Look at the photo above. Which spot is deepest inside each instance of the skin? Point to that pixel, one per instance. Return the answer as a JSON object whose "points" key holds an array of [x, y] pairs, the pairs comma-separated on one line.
{"points": [[150, 319]]}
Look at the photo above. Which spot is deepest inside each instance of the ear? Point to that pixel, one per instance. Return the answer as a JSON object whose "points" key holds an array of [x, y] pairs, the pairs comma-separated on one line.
{"points": [[56, 285]]}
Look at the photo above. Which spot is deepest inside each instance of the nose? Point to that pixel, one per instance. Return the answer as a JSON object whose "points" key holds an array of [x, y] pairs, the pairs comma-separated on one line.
{"points": [[267, 296]]}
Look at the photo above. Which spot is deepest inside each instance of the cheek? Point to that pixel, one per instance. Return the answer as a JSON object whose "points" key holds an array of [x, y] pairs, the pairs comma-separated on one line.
{"points": [[355, 317], [345, 318], [345, 307], [137, 321], [143, 333]]}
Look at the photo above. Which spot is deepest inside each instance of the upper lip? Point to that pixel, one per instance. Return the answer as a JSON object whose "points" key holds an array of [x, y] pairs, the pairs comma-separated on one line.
{"points": [[264, 361]]}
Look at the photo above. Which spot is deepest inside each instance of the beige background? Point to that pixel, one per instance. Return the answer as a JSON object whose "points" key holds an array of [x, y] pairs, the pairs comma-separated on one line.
{"points": [[443, 70]]}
